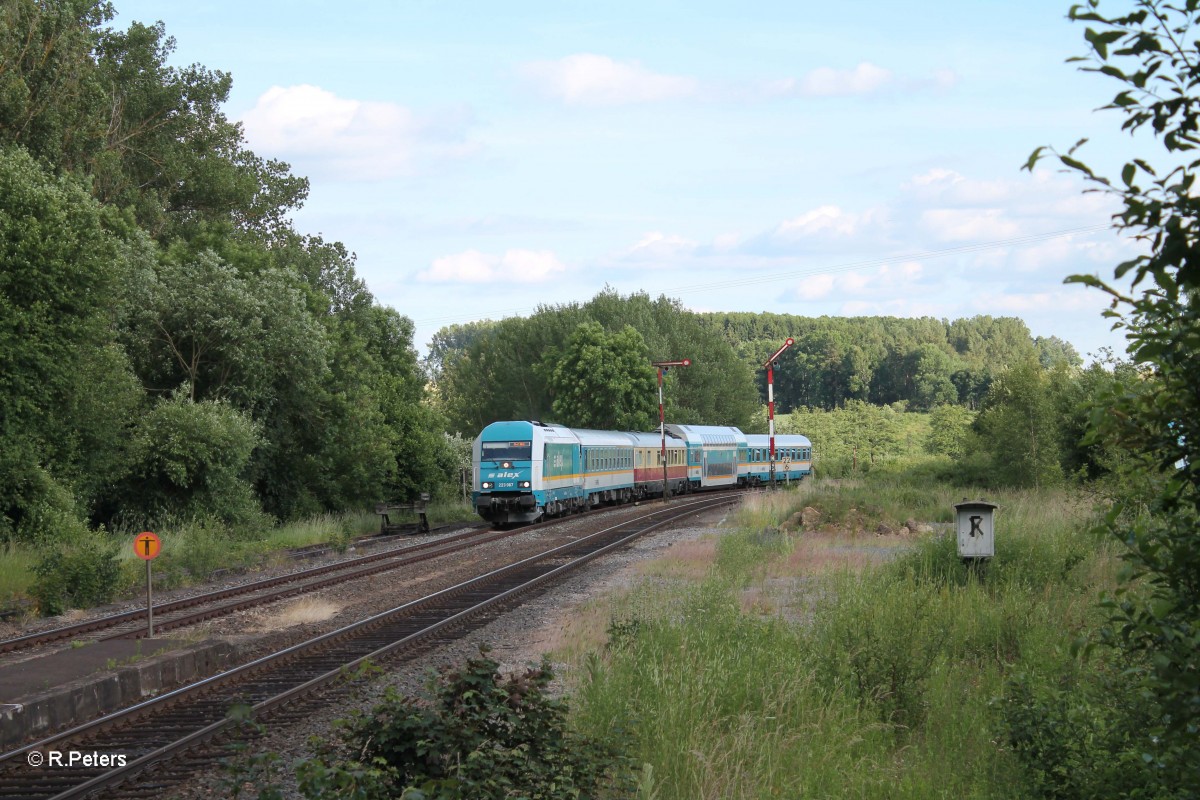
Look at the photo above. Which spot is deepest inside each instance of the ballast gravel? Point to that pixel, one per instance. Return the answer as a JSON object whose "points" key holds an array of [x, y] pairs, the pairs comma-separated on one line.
{"points": [[516, 638]]}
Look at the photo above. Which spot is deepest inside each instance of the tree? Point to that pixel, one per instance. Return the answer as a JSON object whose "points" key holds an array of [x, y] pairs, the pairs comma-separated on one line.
{"points": [[51, 99], [503, 370], [602, 380], [949, 431], [152, 138], [1019, 425], [191, 462], [1053, 351], [66, 393], [931, 371], [1155, 619]]}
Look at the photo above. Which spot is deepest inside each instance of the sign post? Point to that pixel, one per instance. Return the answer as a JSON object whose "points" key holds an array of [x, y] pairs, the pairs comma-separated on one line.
{"points": [[663, 366], [770, 365], [147, 546]]}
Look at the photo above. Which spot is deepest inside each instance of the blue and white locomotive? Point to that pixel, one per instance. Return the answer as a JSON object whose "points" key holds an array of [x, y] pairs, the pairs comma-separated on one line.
{"points": [[524, 470]]}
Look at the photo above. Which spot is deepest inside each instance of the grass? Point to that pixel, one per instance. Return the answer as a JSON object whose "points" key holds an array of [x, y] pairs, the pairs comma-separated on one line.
{"points": [[16, 570], [838, 662], [194, 551]]}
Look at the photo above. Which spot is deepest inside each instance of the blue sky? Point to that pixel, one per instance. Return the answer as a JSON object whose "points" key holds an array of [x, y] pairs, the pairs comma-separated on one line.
{"points": [[805, 158]]}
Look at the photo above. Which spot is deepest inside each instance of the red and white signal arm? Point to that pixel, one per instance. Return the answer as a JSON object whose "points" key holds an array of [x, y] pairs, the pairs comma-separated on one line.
{"points": [[147, 546]]}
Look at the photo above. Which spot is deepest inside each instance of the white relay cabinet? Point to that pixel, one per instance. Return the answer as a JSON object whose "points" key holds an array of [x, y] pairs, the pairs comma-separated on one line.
{"points": [[976, 535]]}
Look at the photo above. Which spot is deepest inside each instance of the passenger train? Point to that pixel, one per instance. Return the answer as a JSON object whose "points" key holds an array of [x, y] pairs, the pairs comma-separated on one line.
{"points": [[524, 470]]}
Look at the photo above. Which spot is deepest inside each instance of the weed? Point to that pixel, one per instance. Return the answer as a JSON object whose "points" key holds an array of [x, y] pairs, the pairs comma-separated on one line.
{"points": [[482, 736], [244, 769], [883, 688], [76, 574]]}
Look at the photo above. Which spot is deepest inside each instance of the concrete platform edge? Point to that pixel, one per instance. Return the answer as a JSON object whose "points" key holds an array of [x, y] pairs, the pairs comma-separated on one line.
{"points": [[79, 701]]}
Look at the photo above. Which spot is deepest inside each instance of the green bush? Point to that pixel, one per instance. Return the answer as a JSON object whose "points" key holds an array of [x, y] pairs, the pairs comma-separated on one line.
{"points": [[1073, 731], [191, 460], [77, 574], [482, 737]]}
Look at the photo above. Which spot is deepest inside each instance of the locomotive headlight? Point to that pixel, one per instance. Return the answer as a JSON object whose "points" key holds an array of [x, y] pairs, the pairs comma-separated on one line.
{"points": [[525, 484], [486, 484], [506, 465]]}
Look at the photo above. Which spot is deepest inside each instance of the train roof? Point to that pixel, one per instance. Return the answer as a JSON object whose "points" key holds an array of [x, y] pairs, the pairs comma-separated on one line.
{"points": [[781, 440], [708, 434], [522, 430], [654, 439], [509, 429], [590, 438]]}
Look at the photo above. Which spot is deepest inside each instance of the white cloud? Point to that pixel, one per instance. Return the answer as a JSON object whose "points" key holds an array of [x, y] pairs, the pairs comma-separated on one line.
{"points": [[866, 78], [1057, 301], [945, 78], [530, 266], [814, 287], [968, 224], [938, 176], [826, 220], [896, 307], [472, 266], [726, 241], [655, 245], [947, 187], [888, 281], [1043, 194], [356, 139], [589, 79]]}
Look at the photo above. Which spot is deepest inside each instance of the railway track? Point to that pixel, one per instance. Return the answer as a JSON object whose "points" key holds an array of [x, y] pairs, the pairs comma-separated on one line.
{"points": [[201, 607], [164, 739]]}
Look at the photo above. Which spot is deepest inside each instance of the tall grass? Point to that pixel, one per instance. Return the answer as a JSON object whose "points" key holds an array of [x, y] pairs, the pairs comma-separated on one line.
{"points": [[16, 570], [886, 688], [195, 550]]}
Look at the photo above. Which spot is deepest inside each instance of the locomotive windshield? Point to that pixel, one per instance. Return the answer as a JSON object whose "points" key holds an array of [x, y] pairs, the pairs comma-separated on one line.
{"points": [[507, 451]]}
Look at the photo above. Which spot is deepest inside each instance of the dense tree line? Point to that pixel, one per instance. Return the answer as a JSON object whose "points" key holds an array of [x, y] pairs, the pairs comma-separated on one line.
{"points": [[561, 363], [883, 360], [588, 365], [170, 347], [1031, 429]]}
